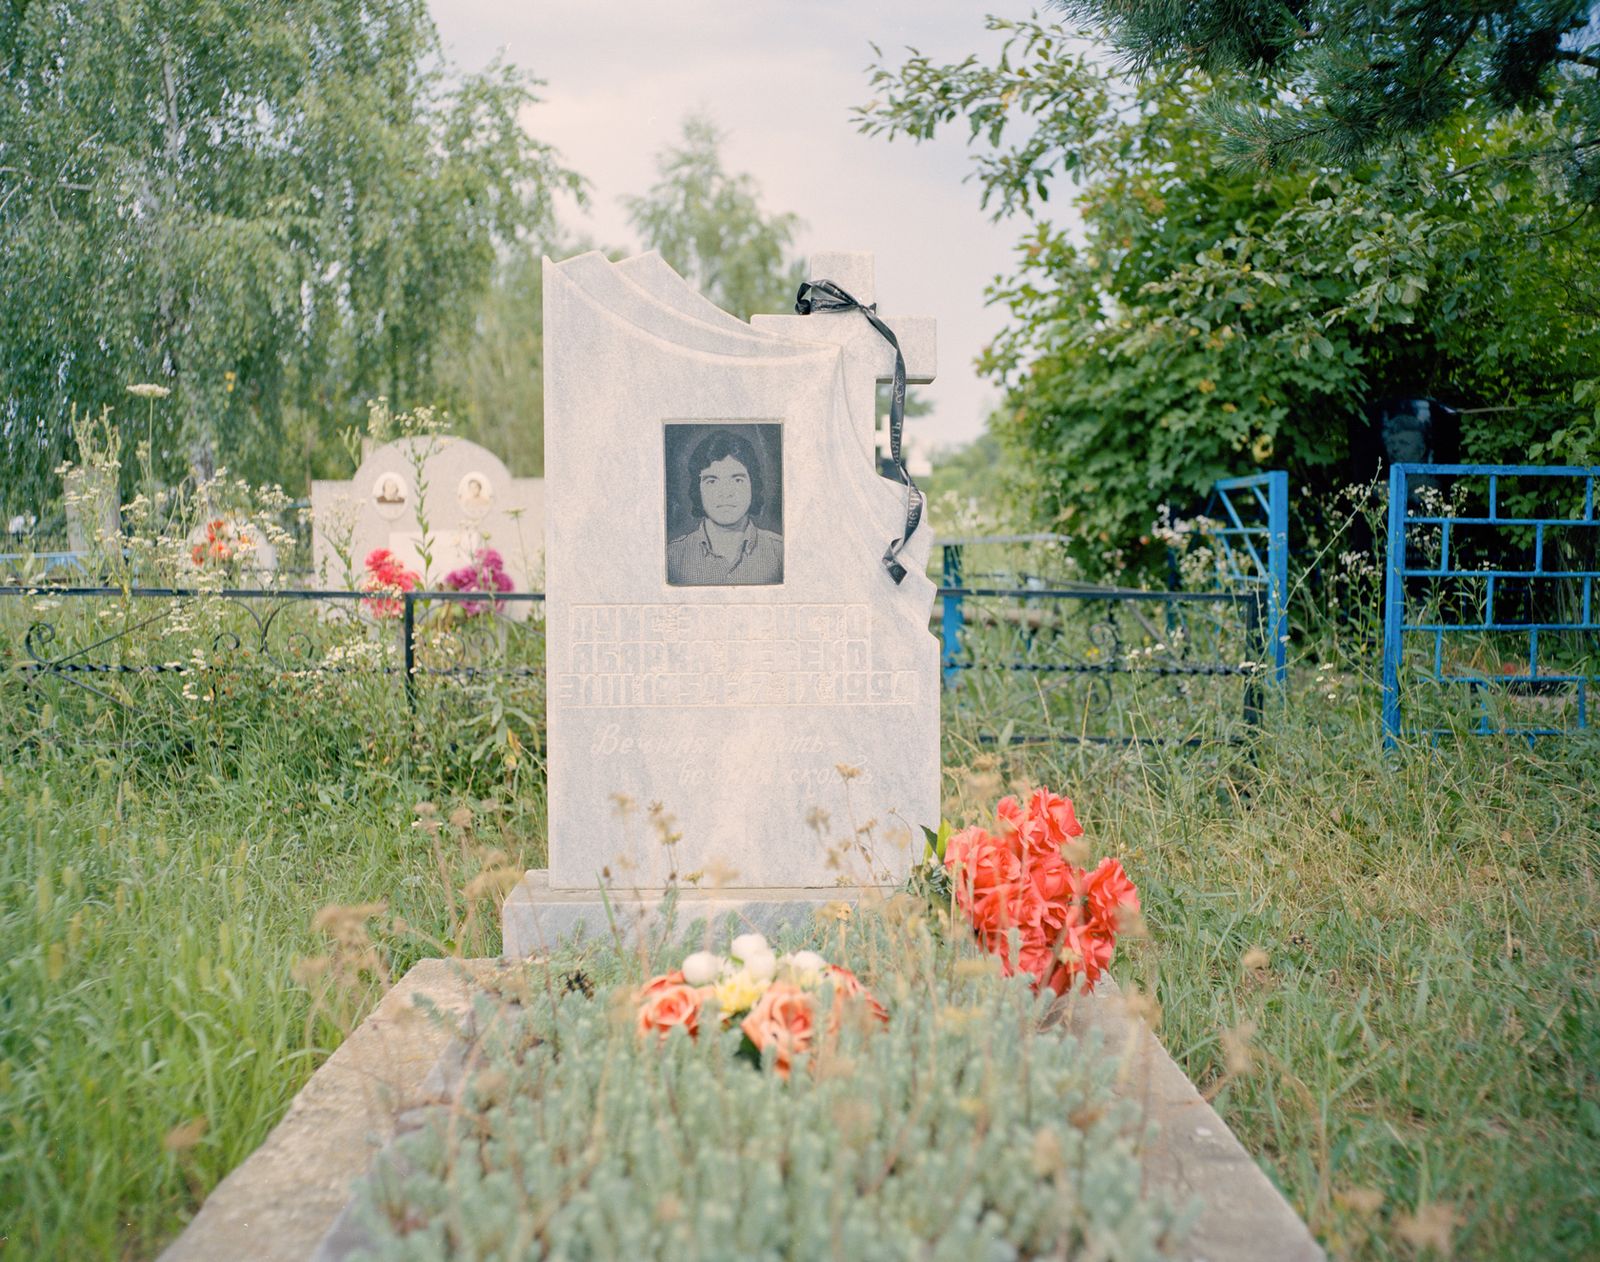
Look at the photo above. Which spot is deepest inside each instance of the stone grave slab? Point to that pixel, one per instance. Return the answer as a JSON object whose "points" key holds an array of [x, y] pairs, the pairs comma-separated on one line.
{"points": [[467, 498], [743, 679], [289, 1201], [280, 1201]]}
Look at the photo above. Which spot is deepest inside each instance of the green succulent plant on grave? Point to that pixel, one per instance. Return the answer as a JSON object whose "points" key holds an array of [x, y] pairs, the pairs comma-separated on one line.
{"points": [[961, 1129]]}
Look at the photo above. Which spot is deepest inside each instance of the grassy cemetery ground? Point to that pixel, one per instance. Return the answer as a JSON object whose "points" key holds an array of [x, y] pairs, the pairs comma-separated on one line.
{"points": [[1381, 970]]}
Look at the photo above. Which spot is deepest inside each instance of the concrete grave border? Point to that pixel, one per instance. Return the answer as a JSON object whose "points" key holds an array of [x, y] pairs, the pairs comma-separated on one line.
{"points": [[280, 1201], [287, 1198]]}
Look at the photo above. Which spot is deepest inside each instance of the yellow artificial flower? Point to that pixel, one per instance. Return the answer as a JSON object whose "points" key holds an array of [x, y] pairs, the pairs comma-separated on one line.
{"points": [[739, 991]]}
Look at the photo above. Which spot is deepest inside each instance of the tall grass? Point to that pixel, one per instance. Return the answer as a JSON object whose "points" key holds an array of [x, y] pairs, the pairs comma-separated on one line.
{"points": [[1381, 968], [179, 954]]}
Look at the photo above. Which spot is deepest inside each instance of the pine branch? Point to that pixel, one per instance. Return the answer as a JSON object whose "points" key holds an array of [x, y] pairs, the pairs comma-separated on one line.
{"points": [[1579, 57]]}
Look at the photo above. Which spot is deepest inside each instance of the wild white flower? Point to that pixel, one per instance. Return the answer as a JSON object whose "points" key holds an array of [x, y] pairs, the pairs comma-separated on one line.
{"points": [[148, 390], [702, 968]]}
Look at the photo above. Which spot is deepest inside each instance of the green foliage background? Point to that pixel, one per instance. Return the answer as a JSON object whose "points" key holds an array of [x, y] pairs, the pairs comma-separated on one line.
{"points": [[1206, 320], [709, 225], [277, 212]]}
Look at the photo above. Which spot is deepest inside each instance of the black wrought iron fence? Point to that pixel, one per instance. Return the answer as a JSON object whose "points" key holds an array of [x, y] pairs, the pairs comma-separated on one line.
{"points": [[1096, 665], [150, 634], [1078, 665]]}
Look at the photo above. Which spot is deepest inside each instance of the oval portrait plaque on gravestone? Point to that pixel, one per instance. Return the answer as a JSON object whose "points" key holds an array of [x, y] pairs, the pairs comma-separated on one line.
{"points": [[475, 493], [390, 495]]}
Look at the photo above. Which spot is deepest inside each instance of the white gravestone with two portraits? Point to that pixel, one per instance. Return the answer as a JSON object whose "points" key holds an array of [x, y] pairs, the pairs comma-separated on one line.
{"points": [[468, 501], [737, 687]]}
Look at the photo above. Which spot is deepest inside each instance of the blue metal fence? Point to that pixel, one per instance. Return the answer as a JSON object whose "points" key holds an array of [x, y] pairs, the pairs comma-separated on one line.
{"points": [[1255, 549], [1485, 565]]}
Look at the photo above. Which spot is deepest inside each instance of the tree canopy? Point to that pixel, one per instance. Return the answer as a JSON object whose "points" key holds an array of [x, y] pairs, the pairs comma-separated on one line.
{"points": [[1351, 76], [710, 227], [1197, 319], [275, 211]]}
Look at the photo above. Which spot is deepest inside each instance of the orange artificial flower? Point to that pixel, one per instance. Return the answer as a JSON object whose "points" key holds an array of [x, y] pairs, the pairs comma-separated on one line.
{"points": [[668, 1004], [849, 992], [784, 1018]]}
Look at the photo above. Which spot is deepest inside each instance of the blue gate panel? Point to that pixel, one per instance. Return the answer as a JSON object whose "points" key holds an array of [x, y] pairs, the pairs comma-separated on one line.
{"points": [[1255, 550], [1506, 557]]}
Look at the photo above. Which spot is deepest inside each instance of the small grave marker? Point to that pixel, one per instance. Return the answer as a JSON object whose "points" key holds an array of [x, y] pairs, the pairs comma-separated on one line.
{"points": [[468, 500]]}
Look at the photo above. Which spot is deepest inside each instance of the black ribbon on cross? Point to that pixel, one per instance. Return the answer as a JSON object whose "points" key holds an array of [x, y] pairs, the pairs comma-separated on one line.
{"points": [[824, 295]]}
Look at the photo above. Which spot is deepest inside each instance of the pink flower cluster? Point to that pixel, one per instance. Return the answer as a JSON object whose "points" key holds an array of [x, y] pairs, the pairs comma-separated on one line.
{"points": [[386, 573], [487, 573], [1018, 878]]}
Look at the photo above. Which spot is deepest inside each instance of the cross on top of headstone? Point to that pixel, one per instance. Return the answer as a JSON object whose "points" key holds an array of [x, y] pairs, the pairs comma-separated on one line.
{"points": [[868, 359]]}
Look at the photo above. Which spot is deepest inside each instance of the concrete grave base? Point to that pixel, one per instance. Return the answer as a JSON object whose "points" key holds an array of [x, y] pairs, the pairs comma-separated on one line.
{"points": [[1193, 1155], [535, 917], [284, 1203], [280, 1201]]}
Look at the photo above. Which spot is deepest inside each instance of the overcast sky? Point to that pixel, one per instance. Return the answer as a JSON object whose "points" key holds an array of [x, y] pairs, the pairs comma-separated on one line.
{"points": [[779, 79]]}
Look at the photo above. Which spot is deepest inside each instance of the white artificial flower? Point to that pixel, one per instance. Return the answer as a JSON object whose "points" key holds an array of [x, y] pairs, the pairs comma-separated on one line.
{"points": [[748, 944], [803, 968], [701, 968], [762, 965]]}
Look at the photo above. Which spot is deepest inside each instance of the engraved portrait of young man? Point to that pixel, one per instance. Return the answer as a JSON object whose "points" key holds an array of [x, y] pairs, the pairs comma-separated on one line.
{"points": [[726, 490]]}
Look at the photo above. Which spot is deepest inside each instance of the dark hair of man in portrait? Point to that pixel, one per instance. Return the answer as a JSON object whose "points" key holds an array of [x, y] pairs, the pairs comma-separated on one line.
{"points": [[719, 444]]}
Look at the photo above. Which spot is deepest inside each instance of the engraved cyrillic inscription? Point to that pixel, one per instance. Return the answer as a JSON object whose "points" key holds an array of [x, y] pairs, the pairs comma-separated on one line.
{"points": [[740, 655]]}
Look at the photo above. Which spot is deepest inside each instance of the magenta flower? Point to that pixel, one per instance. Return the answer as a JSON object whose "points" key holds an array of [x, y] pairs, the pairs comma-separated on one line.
{"points": [[486, 574]]}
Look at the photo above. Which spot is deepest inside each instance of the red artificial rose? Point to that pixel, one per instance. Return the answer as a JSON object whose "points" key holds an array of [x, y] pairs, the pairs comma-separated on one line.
{"points": [[1052, 877], [1056, 819], [1035, 955], [1110, 894], [988, 874], [1010, 816], [784, 1018], [1081, 952], [1019, 884]]}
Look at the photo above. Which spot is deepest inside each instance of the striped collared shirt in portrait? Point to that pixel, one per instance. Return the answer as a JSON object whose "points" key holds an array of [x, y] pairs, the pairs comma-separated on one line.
{"points": [[758, 559]]}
